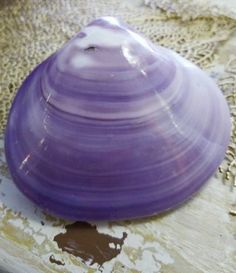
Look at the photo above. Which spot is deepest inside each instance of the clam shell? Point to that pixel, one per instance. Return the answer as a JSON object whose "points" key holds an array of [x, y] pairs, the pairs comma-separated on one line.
{"points": [[113, 127]]}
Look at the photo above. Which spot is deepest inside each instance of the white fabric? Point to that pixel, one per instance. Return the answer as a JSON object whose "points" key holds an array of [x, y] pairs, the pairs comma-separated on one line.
{"points": [[196, 8]]}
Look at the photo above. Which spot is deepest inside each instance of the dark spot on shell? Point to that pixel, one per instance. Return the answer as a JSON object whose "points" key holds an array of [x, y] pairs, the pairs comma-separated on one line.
{"points": [[42, 223], [90, 48], [83, 240]]}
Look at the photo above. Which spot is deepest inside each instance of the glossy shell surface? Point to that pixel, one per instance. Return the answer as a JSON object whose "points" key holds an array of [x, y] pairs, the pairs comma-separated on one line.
{"points": [[113, 127]]}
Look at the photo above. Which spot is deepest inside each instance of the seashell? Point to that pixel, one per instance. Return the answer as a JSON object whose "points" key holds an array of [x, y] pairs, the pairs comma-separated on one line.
{"points": [[113, 127]]}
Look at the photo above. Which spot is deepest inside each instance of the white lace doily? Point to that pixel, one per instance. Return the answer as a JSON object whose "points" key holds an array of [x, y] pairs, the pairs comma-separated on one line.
{"points": [[188, 9]]}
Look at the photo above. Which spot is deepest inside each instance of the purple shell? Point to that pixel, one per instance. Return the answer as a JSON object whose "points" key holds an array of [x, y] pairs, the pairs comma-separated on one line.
{"points": [[113, 127]]}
